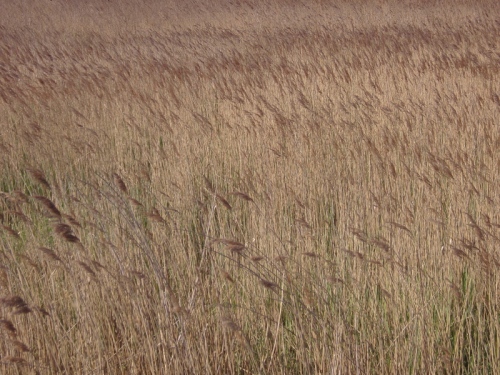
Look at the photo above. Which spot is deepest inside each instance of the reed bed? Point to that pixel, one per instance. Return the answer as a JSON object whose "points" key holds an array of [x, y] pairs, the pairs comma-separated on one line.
{"points": [[255, 188]]}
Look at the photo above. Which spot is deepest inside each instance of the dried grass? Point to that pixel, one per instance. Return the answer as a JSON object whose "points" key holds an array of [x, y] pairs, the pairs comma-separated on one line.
{"points": [[326, 177]]}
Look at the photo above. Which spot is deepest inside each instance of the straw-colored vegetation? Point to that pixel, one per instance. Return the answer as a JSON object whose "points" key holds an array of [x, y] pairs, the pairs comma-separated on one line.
{"points": [[253, 187]]}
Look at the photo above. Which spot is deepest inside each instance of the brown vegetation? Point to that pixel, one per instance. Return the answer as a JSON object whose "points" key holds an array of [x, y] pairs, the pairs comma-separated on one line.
{"points": [[253, 187]]}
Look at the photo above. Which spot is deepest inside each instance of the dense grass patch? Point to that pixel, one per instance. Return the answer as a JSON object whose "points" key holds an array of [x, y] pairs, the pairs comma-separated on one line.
{"points": [[249, 188]]}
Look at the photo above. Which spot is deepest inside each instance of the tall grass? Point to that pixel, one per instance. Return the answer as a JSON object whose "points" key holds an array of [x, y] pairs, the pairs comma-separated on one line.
{"points": [[249, 188]]}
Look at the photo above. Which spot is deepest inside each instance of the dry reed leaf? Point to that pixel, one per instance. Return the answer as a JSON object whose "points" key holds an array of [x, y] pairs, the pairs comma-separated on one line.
{"points": [[486, 220], [236, 248], [384, 292], [30, 261], [224, 202], [243, 339], [256, 258], [349, 252], [62, 229], [308, 298], [4, 279], [209, 185], [65, 231], [87, 268], [51, 208], [233, 246], [277, 152], [9, 327], [455, 289], [361, 235], [146, 174], [469, 245], [22, 310], [11, 232], [268, 284], [227, 276], [119, 182], [135, 202], [72, 220], [335, 280], [16, 303], [460, 253], [486, 260], [98, 266], [50, 253], [400, 226], [20, 196], [41, 310], [13, 360], [384, 245], [75, 199], [78, 113], [19, 215], [226, 241], [228, 322], [38, 176], [281, 259], [243, 196], [20, 346], [155, 216], [302, 222], [495, 260], [479, 232], [138, 274]]}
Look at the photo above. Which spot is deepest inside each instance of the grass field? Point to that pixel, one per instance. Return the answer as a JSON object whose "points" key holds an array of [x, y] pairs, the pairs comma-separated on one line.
{"points": [[249, 187]]}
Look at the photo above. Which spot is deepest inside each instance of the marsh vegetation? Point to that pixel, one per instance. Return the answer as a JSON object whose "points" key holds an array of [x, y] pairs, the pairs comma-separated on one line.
{"points": [[249, 188]]}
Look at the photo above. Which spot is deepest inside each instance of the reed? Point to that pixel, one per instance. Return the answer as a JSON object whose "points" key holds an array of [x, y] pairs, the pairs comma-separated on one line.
{"points": [[250, 187]]}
